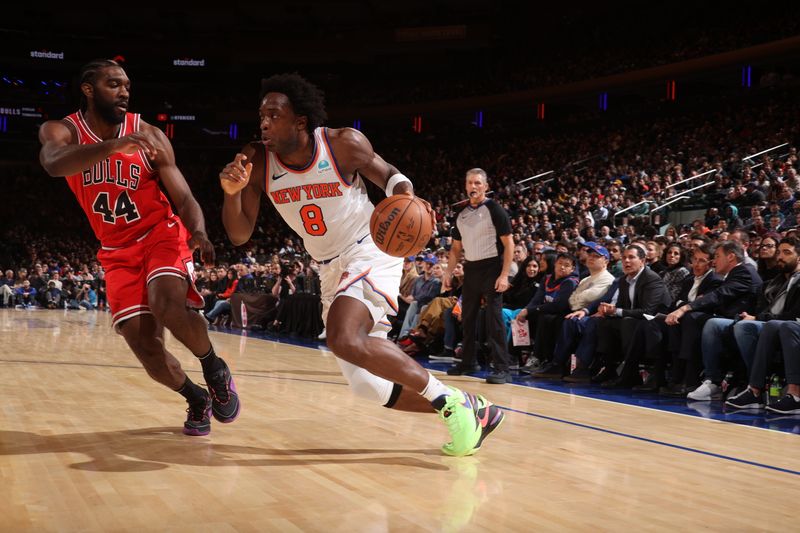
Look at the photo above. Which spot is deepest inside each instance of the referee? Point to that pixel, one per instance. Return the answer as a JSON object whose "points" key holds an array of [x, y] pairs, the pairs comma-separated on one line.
{"points": [[483, 232]]}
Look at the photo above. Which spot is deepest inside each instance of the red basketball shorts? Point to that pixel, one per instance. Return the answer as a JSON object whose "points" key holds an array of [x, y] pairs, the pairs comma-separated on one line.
{"points": [[160, 252]]}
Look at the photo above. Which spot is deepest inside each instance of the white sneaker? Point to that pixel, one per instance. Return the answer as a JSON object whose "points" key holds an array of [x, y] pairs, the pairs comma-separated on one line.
{"points": [[322, 336], [706, 392]]}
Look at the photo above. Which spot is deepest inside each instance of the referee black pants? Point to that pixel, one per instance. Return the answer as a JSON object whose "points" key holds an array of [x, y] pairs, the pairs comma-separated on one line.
{"points": [[479, 279]]}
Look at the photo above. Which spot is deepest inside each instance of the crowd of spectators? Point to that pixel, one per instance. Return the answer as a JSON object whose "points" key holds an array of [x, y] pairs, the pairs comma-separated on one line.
{"points": [[599, 169]]}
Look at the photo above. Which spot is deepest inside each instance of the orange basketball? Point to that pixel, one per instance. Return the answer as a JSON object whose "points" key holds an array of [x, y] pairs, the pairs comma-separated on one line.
{"points": [[400, 225]]}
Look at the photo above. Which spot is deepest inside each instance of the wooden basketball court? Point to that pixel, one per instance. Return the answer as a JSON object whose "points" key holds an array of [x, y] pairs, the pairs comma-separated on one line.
{"points": [[89, 443]]}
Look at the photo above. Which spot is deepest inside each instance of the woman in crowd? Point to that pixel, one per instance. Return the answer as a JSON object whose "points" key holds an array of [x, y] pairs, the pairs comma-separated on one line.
{"points": [[674, 270], [653, 257], [768, 257], [523, 286], [223, 305]]}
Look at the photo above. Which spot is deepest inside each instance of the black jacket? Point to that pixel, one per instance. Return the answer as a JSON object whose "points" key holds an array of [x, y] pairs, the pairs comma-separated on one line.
{"points": [[709, 283], [738, 292], [649, 297], [791, 306]]}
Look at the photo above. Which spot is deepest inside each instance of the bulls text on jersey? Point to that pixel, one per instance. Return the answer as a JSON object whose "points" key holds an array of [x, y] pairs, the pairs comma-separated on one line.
{"points": [[121, 173]]}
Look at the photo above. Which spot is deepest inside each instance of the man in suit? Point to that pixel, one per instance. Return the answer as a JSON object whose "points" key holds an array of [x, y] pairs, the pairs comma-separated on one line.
{"points": [[580, 330], [649, 338], [758, 336], [737, 293], [641, 292]]}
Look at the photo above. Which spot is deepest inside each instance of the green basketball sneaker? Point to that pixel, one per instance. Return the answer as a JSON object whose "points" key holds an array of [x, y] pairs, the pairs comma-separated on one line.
{"points": [[462, 422], [489, 415]]}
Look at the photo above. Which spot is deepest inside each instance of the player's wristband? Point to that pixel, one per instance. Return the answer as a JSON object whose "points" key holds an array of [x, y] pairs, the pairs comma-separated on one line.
{"points": [[393, 181]]}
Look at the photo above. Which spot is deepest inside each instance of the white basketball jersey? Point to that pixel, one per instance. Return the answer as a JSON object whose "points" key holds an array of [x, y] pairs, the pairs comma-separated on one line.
{"points": [[317, 202]]}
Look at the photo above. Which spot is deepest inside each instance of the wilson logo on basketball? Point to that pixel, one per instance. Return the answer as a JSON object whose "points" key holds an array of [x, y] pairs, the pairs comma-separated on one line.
{"points": [[383, 227]]}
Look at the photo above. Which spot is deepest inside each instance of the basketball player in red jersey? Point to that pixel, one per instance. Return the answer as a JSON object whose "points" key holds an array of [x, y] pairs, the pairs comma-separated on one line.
{"points": [[113, 162], [313, 177]]}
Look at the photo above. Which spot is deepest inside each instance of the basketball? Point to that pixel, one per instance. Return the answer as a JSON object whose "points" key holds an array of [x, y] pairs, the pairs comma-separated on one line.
{"points": [[400, 225]]}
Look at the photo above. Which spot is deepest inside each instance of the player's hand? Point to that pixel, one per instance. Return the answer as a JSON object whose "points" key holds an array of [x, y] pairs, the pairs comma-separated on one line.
{"points": [[236, 175], [140, 140], [199, 240], [501, 284], [428, 208]]}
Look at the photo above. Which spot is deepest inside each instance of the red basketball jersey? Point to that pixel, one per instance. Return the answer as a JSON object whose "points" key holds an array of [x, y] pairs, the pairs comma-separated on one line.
{"points": [[120, 195]]}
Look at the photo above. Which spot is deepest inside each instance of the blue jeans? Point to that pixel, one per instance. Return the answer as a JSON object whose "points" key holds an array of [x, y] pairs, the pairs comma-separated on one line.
{"points": [[712, 347], [767, 342], [220, 307], [411, 318], [746, 333], [450, 329], [579, 335]]}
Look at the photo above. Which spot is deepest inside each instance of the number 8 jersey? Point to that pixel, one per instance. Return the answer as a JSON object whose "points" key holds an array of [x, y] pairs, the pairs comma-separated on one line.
{"points": [[327, 211], [120, 194]]}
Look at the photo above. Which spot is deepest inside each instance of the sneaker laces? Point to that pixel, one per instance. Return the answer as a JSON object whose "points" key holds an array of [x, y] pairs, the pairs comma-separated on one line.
{"points": [[197, 411], [218, 385]]}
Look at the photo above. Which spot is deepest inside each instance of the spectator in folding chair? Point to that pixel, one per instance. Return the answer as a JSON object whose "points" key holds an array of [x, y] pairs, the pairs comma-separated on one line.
{"points": [[426, 288], [738, 292], [223, 305], [654, 341], [551, 299], [431, 320], [589, 290], [410, 275], [642, 292], [758, 336], [7, 285], [578, 335]]}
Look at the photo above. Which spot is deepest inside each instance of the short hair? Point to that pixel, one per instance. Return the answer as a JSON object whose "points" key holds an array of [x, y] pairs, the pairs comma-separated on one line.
{"points": [[731, 247], [89, 74], [791, 241], [640, 252], [704, 248], [480, 172], [743, 235], [568, 257], [306, 98]]}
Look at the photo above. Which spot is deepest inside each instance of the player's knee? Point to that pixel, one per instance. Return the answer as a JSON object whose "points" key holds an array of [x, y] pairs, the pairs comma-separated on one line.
{"points": [[167, 308], [346, 345]]}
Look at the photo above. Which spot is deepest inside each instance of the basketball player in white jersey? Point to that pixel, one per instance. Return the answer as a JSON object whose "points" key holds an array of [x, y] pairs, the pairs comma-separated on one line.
{"points": [[312, 175]]}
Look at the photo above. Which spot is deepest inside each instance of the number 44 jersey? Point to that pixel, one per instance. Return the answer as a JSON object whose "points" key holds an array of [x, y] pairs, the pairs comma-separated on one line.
{"points": [[120, 194]]}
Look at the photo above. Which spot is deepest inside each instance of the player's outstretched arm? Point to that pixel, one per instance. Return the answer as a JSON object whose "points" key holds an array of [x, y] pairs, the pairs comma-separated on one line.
{"points": [[61, 155], [180, 194], [242, 196]]}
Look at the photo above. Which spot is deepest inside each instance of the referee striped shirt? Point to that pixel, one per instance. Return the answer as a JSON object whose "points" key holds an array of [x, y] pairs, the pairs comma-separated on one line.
{"points": [[479, 229]]}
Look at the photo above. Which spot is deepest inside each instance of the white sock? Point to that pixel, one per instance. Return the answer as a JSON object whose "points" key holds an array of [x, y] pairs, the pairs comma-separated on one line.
{"points": [[796, 398], [435, 389]]}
